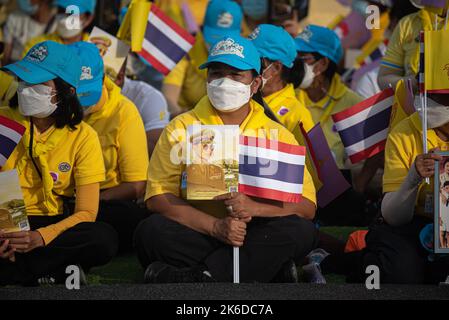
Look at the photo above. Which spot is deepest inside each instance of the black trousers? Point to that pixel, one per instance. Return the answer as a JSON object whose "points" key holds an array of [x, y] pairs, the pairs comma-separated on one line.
{"points": [[88, 244], [124, 217], [397, 252], [269, 243]]}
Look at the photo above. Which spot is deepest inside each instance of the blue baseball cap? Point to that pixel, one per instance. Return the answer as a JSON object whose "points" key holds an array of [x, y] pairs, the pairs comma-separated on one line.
{"points": [[46, 61], [237, 52], [92, 71], [83, 5], [274, 43], [322, 40], [223, 18]]}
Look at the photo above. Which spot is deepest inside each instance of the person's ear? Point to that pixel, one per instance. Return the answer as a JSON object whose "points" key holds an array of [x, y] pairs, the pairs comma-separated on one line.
{"points": [[72, 91], [257, 83], [321, 66]]}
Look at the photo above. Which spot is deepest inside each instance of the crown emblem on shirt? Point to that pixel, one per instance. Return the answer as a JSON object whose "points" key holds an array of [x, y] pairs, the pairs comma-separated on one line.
{"points": [[225, 20], [38, 54], [86, 73], [254, 34], [306, 35], [228, 46]]}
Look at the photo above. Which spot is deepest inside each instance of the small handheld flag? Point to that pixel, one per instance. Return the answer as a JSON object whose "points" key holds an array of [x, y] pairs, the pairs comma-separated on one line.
{"points": [[11, 133], [363, 128], [271, 169], [165, 42]]}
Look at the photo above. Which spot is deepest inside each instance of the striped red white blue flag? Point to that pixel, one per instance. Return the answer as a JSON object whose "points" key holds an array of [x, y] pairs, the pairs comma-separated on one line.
{"points": [[363, 128], [165, 42], [271, 169], [377, 53], [11, 133]]}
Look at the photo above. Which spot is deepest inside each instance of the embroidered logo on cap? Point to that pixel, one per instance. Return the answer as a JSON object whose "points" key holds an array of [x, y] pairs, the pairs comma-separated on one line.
{"points": [[38, 54], [254, 34], [86, 73], [225, 20], [306, 35], [228, 46]]}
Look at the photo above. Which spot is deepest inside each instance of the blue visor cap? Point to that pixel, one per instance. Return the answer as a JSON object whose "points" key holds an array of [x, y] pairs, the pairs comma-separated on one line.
{"points": [[46, 61], [322, 40], [237, 52], [223, 18], [92, 72], [83, 6], [274, 43]]}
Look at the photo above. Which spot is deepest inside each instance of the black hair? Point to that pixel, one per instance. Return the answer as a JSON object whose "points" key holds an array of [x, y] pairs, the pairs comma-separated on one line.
{"points": [[401, 9], [445, 161], [69, 111], [445, 184]]}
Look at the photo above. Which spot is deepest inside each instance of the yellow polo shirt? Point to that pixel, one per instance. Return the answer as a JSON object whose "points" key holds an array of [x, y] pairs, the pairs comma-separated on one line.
{"points": [[404, 144], [75, 160], [122, 137], [165, 176], [288, 109], [46, 37], [338, 98], [403, 48]]}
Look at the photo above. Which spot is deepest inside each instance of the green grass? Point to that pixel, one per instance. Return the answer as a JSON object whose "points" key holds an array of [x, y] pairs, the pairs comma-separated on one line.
{"points": [[126, 269]]}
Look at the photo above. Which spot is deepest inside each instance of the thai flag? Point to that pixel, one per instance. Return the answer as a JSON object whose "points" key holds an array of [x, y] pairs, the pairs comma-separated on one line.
{"points": [[271, 169], [363, 128], [165, 42], [10, 134]]}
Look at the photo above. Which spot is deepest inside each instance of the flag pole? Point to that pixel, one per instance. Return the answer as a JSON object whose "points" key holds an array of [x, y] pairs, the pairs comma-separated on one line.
{"points": [[236, 265]]}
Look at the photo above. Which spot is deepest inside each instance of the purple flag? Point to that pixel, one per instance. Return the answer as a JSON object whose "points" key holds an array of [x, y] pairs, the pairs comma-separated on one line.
{"points": [[191, 24], [334, 184], [352, 31]]}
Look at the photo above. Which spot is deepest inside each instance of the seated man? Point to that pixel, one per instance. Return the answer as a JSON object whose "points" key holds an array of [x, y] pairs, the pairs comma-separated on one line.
{"points": [[192, 241]]}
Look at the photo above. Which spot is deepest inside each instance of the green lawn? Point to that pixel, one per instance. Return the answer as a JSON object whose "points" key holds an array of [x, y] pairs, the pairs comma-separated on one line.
{"points": [[126, 269]]}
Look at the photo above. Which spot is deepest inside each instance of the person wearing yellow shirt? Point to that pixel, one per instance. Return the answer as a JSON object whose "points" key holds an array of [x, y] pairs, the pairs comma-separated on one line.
{"points": [[401, 60], [407, 206], [59, 162], [67, 31], [192, 241], [323, 93], [123, 140], [185, 85], [281, 75]]}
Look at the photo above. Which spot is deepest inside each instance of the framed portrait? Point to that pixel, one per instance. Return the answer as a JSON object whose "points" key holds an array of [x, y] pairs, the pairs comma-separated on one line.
{"points": [[441, 198]]}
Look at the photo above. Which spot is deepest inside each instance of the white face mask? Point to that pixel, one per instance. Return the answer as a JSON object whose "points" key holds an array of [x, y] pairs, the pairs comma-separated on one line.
{"points": [[265, 80], [66, 26], [309, 76], [35, 101], [227, 95], [437, 114]]}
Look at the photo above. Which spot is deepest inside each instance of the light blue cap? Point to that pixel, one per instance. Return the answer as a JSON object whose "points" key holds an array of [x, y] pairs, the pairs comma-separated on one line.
{"points": [[92, 71], [223, 18], [237, 52], [321, 40], [83, 5], [46, 61], [274, 43]]}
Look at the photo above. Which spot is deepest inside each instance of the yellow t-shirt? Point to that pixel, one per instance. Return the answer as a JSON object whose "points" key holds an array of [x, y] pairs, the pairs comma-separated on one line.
{"points": [[165, 176], [122, 137], [403, 48], [46, 37], [339, 98], [75, 160], [404, 143], [288, 109]]}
